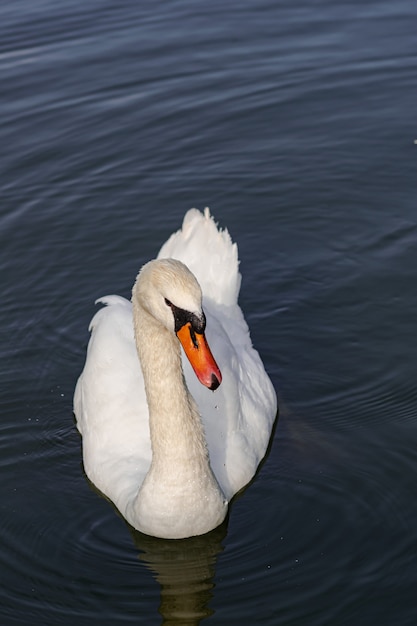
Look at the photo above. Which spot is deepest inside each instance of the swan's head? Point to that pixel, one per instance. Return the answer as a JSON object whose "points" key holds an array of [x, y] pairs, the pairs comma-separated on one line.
{"points": [[170, 293]]}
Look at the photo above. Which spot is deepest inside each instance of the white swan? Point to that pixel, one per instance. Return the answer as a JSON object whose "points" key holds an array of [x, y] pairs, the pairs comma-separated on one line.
{"points": [[169, 472]]}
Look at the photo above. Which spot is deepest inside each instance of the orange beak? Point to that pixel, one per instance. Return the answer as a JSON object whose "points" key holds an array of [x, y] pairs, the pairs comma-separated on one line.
{"points": [[199, 354]]}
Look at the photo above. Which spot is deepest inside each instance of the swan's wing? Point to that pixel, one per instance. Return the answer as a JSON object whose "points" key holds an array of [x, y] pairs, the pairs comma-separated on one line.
{"points": [[239, 415], [209, 253], [110, 405]]}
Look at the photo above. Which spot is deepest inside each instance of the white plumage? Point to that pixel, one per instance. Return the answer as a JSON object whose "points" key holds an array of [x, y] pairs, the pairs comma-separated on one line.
{"points": [[180, 496]]}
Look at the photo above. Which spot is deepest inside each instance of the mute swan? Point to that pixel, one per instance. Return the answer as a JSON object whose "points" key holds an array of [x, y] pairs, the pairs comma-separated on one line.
{"points": [[170, 472]]}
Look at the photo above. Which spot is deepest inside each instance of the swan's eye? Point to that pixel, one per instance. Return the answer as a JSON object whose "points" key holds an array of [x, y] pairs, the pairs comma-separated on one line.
{"points": [[196, 323]]}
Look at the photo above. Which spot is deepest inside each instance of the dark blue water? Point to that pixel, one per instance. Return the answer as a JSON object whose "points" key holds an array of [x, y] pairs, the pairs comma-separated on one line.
{"points": [[295, 122]]}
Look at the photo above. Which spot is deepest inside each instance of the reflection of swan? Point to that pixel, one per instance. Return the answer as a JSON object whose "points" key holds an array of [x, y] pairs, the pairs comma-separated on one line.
{"points": [[185, 571], [153, 463]]}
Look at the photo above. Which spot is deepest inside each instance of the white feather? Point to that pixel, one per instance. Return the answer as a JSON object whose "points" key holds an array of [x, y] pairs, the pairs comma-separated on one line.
{"points": [[110, 403]]}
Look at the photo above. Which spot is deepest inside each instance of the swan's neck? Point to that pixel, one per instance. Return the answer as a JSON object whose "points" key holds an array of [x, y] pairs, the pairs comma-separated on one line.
{"points": [[180, 485], [175, 425]]}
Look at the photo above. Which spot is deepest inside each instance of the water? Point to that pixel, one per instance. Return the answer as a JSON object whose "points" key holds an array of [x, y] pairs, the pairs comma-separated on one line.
{"points": [[295, 123]]}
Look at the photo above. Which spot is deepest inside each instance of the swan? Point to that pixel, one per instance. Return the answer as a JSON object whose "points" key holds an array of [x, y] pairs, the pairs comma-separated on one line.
{"points": [[171, 433]]}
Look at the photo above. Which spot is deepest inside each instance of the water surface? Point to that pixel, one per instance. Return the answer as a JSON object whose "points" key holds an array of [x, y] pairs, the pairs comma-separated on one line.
{"points": [[295, 123]]}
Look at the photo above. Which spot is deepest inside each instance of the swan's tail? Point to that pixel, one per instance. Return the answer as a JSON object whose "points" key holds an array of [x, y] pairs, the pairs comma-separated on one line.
{"points": [[209, 253]]}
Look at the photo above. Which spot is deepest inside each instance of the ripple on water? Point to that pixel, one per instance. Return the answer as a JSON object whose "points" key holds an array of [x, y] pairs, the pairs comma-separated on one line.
{"points": [[75, 554], [332, 524], [66, 548]]}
